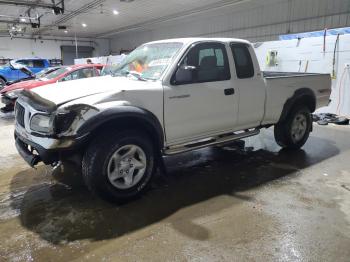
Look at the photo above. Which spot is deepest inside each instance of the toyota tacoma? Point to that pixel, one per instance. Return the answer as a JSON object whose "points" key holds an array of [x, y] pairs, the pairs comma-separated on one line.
{"points": [[165, 98]]}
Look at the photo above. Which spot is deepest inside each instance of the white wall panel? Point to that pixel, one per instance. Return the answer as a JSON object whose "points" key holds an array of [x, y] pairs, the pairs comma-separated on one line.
{"points": [[19, 48], [308, 56], [254, 20]]}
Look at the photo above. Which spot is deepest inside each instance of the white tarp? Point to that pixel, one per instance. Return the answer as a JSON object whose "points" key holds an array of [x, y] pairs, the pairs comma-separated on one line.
{"points": [[307, 55]]}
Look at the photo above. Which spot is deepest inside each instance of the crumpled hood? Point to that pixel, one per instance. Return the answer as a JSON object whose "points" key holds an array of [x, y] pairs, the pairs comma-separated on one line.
{"points": [[63, 92]]}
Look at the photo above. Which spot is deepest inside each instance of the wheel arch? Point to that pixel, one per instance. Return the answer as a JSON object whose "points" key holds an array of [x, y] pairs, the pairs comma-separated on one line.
{"points": [[303, 96], [3, 78], [125, 117]]}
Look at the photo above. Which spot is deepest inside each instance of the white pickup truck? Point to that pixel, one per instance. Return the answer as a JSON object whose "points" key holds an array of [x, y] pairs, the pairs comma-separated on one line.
{"points": [[165, 98]]}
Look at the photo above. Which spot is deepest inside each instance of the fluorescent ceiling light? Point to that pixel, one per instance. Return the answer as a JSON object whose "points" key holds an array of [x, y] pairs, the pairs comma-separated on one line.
{"points": [[84, 25], [65, 31], [23, 19], [115, 12]]}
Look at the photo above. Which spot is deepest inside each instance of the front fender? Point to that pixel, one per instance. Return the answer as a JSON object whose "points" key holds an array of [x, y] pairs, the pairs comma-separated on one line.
{"points": [[116, 114], [3, 77]]}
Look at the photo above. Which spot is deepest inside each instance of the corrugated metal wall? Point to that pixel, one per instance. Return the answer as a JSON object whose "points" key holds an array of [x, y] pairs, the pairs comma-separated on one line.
{"points": [[256, 20]]}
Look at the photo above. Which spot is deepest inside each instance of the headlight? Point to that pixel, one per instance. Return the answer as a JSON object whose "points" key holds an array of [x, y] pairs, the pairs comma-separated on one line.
{"points": [[41, 123], [13, 94]]}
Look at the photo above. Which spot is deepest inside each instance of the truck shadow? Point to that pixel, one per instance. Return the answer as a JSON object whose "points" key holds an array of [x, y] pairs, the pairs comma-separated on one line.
{"points": [[60, 214]]}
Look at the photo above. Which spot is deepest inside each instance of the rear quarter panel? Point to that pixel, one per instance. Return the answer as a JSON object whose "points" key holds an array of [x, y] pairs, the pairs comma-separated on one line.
{"points": [[280, 89]]}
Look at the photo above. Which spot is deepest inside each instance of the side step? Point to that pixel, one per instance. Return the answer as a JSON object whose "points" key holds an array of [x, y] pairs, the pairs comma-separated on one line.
{"points": [[219, 140]]}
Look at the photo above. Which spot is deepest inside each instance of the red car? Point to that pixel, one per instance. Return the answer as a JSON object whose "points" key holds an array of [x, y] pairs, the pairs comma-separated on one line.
{"points": [[10, 93]]}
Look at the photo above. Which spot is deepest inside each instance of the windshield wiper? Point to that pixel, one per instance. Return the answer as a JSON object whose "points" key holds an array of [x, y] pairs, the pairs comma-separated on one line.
{"points": [[137, 75], [132, 73]]}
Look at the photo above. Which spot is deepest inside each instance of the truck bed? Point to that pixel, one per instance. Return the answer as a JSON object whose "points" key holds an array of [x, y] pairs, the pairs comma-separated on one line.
{"points": [[284, 84]]}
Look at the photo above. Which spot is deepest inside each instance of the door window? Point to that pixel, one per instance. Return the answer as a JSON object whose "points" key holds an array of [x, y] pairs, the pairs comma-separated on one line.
{"points": [[79, 74], [38, 63], [243, 61], [27, 63], [208, 61]]}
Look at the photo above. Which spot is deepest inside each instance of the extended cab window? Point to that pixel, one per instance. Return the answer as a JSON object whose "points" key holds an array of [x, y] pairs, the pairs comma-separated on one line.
{"points": [[243, 61], [210, 62]]}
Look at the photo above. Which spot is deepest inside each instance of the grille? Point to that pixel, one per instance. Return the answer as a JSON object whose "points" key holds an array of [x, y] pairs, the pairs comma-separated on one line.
{"points": [[20, 114]]}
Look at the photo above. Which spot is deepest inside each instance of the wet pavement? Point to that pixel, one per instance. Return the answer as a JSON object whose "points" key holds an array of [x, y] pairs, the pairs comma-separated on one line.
{"points": [[252, 203]]}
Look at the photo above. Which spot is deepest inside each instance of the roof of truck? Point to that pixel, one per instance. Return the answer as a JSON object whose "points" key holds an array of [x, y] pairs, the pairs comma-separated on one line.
{"points": [[34, 58], [199, 39]]}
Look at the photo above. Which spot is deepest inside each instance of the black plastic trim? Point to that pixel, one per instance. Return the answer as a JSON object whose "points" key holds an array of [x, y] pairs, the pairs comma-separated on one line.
{"points": [[117, 113], [45, 155], [298, 95], [48, 156]]}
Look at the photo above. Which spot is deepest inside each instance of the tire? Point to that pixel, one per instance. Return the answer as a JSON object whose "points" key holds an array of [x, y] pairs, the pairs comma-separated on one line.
{"points": [[293, 132], [2, 83], [110, 173]]}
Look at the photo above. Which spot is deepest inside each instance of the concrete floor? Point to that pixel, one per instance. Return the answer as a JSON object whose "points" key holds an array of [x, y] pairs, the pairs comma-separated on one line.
{"points": [[254, 204]]}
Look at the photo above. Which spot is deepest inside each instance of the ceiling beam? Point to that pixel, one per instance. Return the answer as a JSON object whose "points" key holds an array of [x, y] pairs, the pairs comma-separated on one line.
{"points": [[187, 13], [83, 9], [26, 3], [57, 7], [16, 21]]}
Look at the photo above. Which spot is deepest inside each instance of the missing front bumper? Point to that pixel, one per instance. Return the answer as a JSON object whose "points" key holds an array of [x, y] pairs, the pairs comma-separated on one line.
{"points": [[26, 154], [28, 150]]}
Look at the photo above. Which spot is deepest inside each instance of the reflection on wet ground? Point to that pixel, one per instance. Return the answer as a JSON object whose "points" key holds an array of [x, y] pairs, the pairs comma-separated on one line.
{"points": [[250, 202]]}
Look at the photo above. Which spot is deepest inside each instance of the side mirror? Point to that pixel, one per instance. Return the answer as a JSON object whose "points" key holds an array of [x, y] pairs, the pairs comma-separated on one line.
{"points": [[184, 75]]}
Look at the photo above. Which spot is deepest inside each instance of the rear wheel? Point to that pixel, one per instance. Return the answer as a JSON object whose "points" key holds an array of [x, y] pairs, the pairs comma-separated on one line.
{"points": [[119, 166], [295, 130]]}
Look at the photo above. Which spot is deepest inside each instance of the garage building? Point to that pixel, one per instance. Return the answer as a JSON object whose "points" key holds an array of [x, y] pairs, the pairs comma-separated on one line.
{"points": [[148, 130]]}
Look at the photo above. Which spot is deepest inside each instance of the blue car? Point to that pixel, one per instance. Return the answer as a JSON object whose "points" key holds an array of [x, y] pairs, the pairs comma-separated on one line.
{"points": [[10, 72]]}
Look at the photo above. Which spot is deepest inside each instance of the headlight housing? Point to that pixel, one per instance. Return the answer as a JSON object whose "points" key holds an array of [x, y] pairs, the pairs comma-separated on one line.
{"points": [[13, 94], [63, 121], [41, 123]]}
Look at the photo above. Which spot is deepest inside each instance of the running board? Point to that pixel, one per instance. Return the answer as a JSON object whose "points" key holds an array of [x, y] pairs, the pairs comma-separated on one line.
{"points": [[219, 140]]}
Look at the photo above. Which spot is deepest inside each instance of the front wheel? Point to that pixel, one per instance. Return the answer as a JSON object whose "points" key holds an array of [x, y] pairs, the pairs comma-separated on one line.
{"points": [[295, 130], [118, 166]]}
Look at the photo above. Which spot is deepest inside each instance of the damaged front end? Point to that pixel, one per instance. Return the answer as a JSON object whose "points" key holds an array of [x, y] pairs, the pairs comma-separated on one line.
{"points": [[44, 131]]}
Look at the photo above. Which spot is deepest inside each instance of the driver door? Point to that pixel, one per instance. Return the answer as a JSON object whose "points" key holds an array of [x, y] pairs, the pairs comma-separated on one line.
{"points": [[206, 104]]}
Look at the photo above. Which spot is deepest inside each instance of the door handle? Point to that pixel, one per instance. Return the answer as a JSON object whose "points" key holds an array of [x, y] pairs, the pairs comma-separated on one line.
{"points": [[229, 91]]}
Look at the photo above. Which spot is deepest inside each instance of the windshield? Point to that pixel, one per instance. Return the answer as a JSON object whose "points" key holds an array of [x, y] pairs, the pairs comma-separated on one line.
{"points": [[45, 72], [148, 61], [56, 73]]}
